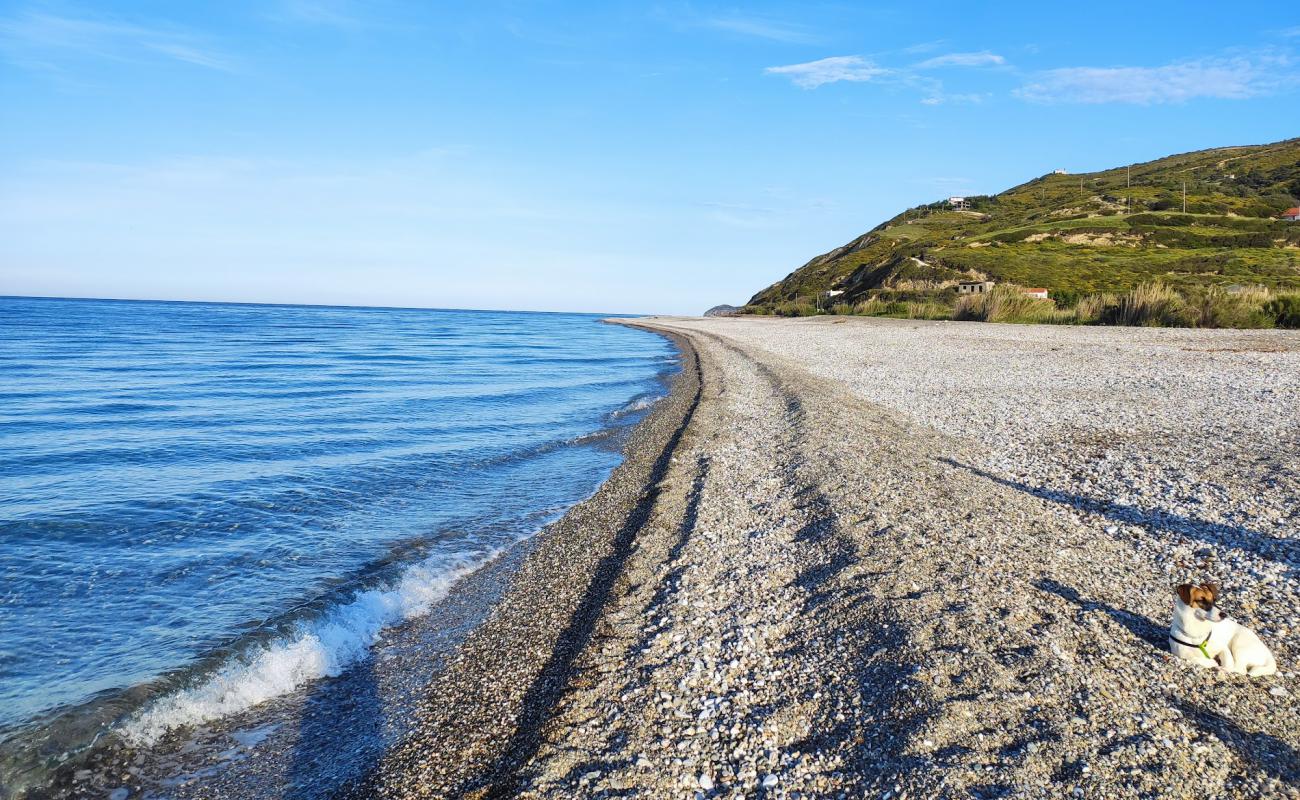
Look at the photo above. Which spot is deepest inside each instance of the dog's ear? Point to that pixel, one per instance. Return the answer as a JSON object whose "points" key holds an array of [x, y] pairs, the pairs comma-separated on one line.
{"points": [[1212, 589], [1184, 591]]}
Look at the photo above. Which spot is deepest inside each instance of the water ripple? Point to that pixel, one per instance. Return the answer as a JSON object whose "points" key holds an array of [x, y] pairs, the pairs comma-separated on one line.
{"points": [[187, 490]]}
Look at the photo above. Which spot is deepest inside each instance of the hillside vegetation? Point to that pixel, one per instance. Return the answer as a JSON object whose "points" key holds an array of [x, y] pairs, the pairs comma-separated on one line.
{"points": [[1093, 236]]}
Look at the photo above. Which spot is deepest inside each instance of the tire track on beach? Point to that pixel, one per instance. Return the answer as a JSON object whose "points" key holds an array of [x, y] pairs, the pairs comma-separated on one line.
{"points": [[659, 588], [801, 723], [538, 704]]}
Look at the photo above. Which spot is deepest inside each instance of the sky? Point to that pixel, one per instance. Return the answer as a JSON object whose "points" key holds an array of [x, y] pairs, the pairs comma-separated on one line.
{"points": [[611, 156]]}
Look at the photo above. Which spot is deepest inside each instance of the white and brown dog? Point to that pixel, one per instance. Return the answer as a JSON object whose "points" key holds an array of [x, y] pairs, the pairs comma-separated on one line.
{"points": [[1203, 635]]}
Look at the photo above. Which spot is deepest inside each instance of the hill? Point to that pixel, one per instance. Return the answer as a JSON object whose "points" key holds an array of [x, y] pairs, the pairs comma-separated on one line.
{"points": [[1096, 232]]}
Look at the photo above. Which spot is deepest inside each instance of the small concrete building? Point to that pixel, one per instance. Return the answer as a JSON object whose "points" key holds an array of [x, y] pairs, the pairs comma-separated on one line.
{"points": [[1291, 214], [1040, 293], [974, 287], [958, 204]]}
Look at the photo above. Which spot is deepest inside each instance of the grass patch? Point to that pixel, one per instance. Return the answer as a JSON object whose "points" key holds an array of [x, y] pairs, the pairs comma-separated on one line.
{"points": [[1006, 304], [1151, 304]]}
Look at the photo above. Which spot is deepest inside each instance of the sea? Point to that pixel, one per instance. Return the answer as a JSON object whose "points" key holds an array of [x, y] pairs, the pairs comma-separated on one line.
{"points": [[206, 505]]}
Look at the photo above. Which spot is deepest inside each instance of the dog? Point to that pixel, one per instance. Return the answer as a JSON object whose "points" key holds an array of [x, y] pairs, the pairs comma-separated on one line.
{"points": [[1202, 634]]}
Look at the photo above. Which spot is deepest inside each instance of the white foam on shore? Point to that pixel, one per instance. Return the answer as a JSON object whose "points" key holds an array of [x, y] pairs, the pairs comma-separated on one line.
{"points": [[319, 648], [639, 404]]}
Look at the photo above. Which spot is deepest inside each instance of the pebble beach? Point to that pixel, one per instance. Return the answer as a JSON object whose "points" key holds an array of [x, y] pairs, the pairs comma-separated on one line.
{"points": [[891, 559], [902, 559]]}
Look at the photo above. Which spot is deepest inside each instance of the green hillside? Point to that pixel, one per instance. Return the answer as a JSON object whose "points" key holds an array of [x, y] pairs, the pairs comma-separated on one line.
{"points": [[1085, 233]]}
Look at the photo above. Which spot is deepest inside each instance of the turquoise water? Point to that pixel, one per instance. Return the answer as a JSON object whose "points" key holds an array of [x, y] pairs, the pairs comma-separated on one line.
{"points": [[220, 502]]}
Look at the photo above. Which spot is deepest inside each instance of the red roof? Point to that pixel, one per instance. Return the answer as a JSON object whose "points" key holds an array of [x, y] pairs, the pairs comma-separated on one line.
{"points": [[1291, 212]]}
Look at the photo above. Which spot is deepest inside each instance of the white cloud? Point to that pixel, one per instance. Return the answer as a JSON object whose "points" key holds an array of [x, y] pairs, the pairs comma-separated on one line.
{"points": [[829, 70], [35, 39], [939, 97], [762, 28], [1221, 78], [981, 59]]}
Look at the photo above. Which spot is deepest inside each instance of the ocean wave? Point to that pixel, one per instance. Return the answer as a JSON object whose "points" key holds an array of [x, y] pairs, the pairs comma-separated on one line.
{"points": [[318, 648], [638, 404]]}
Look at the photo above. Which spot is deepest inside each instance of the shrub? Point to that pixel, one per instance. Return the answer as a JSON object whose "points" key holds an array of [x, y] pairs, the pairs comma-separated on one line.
{"points": [[1064, 298], [795, 308], [1285, 310], [1089, 309], [1217, 308], [1150, 305], [1005, 304], [877, 306], [1168, 220], [871, 307]]}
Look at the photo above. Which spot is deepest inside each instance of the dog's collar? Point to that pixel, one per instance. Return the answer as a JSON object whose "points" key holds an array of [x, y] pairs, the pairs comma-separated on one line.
{"points": [[1200, 646]]}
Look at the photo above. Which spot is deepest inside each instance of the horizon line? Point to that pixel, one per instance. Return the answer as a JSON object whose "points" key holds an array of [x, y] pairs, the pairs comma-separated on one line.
{"points": [[317, 305]]}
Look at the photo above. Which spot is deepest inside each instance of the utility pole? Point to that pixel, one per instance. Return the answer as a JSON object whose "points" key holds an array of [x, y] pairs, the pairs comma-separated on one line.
{"points": [[1128, 186]]}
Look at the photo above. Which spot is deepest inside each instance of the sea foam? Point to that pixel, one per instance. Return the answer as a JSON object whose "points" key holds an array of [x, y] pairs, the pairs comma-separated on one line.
{"points": [[319, 648], [637, 404]]}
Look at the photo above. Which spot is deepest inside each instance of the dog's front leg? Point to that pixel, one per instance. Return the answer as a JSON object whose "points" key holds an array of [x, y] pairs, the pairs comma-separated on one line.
{"points": [[1226, 660]]}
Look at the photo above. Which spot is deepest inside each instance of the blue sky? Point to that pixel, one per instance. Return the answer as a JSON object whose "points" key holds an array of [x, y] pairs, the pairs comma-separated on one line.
{"points": [[617, 156]]}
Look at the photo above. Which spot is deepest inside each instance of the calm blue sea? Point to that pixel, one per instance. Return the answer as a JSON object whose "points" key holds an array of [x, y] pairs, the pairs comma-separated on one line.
{"points": [[238, 498]]}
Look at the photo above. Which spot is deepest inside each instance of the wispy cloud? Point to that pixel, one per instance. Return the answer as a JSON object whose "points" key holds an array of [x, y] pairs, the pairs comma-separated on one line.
{"points": [[812, 74], [924, 47], [939, 97], [330, 13], [981, 59], [193, 55], [41, 40], [1221, 78], [763, 28]]}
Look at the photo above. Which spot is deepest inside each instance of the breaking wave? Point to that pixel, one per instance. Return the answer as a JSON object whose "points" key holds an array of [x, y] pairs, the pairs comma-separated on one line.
{"points": [[322, 647]]}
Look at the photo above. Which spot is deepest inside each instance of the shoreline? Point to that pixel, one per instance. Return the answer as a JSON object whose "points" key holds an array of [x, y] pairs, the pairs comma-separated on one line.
{"points": [[481, 718], [840, 591], [333, 732], [861, 559]]}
